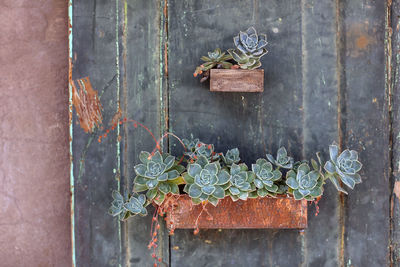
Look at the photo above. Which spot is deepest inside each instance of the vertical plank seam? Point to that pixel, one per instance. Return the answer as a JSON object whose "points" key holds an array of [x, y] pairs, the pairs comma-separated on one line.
{"points": [[304, 60], [164, 101], [71, 129], [340, 46], [118, 151], [125, 126], [388, 96]]}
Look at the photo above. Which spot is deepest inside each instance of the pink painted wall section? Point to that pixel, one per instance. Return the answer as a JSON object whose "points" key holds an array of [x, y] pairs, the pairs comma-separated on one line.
{"points": [[34, 159]]}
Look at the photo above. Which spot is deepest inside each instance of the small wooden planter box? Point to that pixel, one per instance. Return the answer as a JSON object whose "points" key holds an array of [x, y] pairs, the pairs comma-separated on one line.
{"points": [[236, 80], [277, 213]]}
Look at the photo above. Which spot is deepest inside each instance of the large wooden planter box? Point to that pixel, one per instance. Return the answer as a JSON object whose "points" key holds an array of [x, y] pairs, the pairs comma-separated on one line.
{"points": [[236, 80], [278, 213]]}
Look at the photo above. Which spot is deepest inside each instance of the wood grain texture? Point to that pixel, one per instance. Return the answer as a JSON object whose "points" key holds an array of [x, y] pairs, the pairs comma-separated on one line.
{"points": [[365, 120], [394, 91], [321, 83], [141, 87], [255, 123], [96, 169], [325, 75], [275, 213], [222, 80]]}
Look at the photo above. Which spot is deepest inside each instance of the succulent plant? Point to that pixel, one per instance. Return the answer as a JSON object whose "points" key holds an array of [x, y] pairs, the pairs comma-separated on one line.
{"points": [[200, 149], [240, 182], [190, 144], [217, 58], [207, 182], [250, 47], [125, 209], [231, 156], [344, 167], [158, 174], [250, 43], [265, 177], [282, 159], [305, 183], [245, 61]]}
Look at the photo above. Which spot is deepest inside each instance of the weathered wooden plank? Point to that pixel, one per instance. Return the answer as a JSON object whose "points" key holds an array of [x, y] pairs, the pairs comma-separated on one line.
{"points": [[261, 213], [96, 165], [321, 78], [393, 87], [365, 128], [250, 81], [141, 89], [253, 122]]}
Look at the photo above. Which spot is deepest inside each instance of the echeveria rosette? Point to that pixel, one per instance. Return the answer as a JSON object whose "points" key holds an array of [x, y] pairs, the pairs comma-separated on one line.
{"points": [[305, 184], [158, 174], [202, 149], [265, 178], [206, 182], [250, 47], [217, 59], [344, 167], [240, 182], [282, 159], [251, 43], [124, 209], [190, 144], [246, 62], [231, 156]]}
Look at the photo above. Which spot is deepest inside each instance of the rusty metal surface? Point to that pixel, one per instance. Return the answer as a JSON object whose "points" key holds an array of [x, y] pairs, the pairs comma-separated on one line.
{"points": [[261, 213], [222, 80]]}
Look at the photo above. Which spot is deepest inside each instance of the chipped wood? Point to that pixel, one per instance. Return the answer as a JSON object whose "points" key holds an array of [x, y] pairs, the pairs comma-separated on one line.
{"points": [[87, 104]]}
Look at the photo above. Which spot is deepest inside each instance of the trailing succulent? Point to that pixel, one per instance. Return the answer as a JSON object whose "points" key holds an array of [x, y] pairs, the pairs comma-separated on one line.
{"points": [[207, 177], [249, 48]]}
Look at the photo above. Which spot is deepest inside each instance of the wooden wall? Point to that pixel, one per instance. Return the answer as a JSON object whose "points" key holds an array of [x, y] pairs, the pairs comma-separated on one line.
{"points": [[330, 75]]}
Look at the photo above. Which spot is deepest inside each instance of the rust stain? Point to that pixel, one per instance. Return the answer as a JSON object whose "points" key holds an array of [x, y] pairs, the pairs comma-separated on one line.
{"points": [[396, 189], [360, 39], [87, 104]]}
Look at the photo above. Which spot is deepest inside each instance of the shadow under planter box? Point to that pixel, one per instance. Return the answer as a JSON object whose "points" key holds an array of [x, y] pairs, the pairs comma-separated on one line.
{"points": [[236, 80], [259, 213]]}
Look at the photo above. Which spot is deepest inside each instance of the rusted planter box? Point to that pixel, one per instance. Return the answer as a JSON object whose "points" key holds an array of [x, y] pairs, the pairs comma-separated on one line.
{"points": [[278, 213], [236, 80]]}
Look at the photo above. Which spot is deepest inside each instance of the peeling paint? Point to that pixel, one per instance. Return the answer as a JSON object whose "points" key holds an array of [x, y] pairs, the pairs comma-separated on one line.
{"points": [[396, 189], [87, 104]]}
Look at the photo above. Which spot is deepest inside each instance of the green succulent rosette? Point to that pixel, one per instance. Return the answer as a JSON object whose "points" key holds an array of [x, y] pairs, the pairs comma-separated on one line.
{"points": [[231, 156], [158, 174], [241, 182], [126, 208], [305, 183], [343, 167], [206, 181], [282, 159], [265, 178]]}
